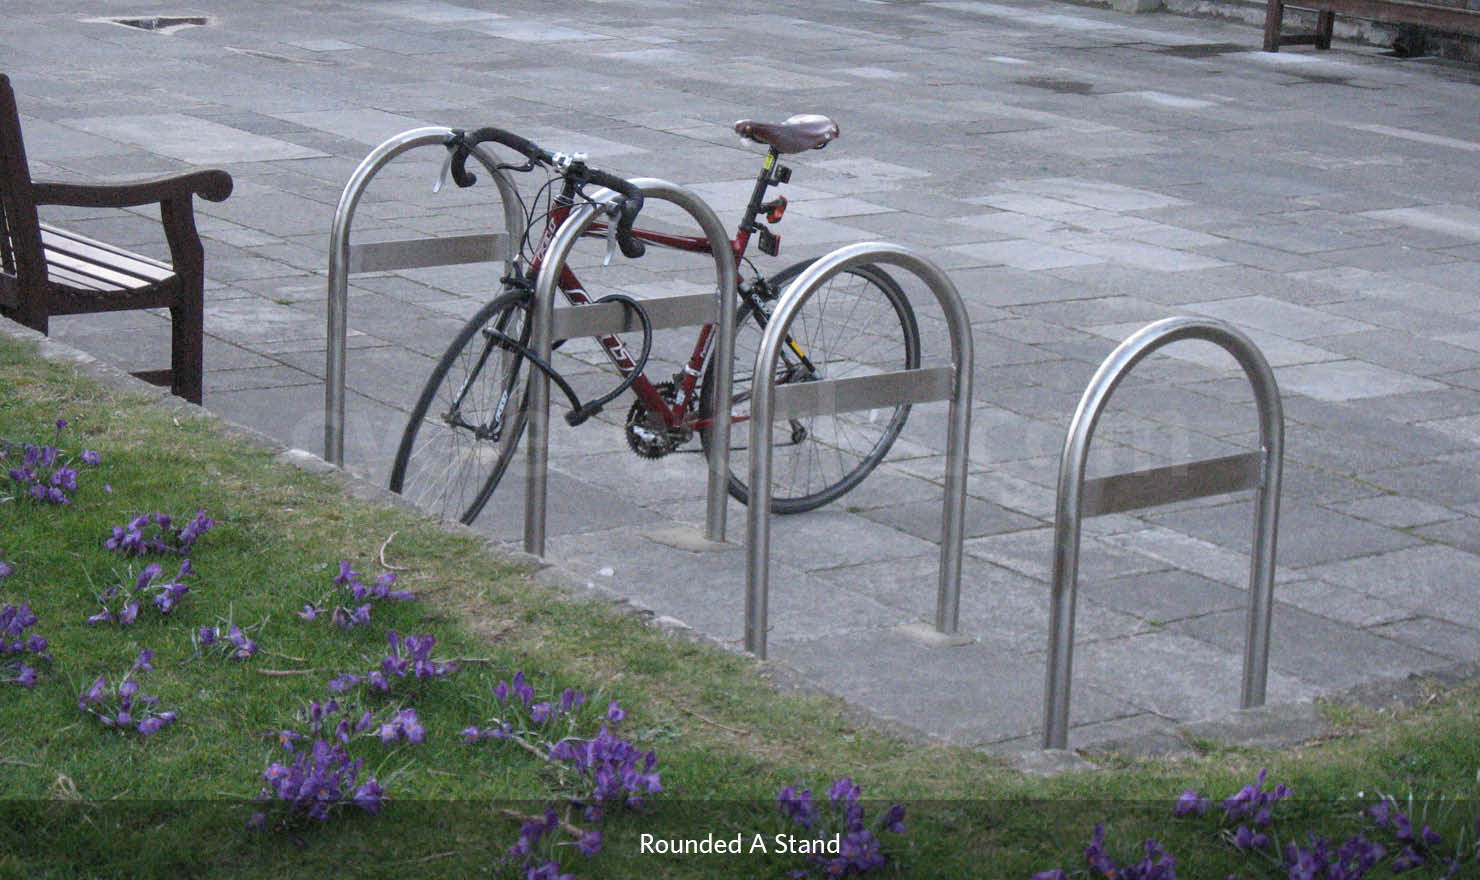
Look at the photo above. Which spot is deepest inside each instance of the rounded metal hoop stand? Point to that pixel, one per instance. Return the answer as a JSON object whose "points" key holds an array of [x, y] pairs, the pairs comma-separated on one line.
{"points": [[770, 403], [389, 255], [598, 319], [1131, 491]]}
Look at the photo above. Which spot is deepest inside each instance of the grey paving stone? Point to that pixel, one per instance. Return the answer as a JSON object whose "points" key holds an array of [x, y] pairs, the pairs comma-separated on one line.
{"points": [[1315, 649], [1175, 676], [1160, 597], [1397, 511], [979, 695], [1309, 534], [1433, 580], [1435, 636]]}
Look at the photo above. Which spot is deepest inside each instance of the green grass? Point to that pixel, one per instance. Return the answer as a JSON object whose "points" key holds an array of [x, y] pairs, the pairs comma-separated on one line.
{"points": [[81, 800]]}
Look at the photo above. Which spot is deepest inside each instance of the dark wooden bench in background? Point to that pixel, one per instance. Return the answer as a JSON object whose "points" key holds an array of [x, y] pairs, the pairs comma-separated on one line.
{"points": [[1449, 19], [46, 270]]}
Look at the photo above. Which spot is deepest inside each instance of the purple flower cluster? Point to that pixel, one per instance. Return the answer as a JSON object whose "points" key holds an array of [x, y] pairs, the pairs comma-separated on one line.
{"points": [[618, 771], [1417, 848], [14, 621], [535, 830], [43, 473], [410, 657], [859, 847], [118, 708], [541, 714], [1319, 859], [322, 776], [233, 643], [165, 595], [404, 726], [1157, 864], [130, 539], [357, 611], [317, 780]]}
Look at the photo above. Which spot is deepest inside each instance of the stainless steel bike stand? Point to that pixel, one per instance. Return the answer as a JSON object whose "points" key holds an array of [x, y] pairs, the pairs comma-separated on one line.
{"points": [[1078, 498], [600, 319], [771, 403], [390, 255]]}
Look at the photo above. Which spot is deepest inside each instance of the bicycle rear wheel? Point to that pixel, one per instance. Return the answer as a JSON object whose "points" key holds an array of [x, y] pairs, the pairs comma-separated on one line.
{"points": [[858, 323], [465, 426]]}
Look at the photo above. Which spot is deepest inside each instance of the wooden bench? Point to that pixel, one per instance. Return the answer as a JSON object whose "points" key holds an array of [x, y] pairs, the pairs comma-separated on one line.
{"points": [[1450, 19], [46, 270]]}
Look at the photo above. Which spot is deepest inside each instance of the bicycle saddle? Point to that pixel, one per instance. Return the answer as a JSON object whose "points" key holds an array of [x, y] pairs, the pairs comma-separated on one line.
{"points": [[804, 131]]}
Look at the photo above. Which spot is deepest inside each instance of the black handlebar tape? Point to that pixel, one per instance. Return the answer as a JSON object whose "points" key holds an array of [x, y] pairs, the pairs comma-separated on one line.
{"points": [[626, 212], [461, 143]]}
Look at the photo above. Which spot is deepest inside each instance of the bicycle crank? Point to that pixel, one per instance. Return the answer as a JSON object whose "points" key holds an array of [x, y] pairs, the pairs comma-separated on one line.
{"points": [[647, 435]]}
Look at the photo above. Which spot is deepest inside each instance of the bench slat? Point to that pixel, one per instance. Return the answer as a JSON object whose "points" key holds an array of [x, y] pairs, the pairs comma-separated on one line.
{"points": [[130, 269]]}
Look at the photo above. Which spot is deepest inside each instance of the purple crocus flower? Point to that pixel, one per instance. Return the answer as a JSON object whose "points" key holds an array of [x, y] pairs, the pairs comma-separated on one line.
{"points": [[91, 457], [93, 694], [1190, 802], [894, 819], [589, 844], [368, 796], [614, 713]]}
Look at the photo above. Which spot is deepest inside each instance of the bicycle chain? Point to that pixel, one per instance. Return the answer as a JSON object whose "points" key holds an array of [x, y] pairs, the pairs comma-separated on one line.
{"points": [[646, 434]]}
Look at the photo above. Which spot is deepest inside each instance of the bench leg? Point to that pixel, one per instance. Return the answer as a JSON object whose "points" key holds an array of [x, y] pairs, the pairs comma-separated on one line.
{"points": [[1325, 23], [186, 358], [1274, 17]]}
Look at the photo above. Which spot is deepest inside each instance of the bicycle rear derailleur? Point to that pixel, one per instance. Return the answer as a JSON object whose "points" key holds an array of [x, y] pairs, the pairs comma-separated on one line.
{"points": [[646, 433]]}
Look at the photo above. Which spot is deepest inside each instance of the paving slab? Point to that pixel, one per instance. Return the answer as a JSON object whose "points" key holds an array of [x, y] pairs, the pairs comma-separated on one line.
{"points": [[1077, 172]]}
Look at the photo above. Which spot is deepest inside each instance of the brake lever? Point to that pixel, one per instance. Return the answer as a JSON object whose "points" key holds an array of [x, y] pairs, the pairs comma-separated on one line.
{"points": [[611, 235]]}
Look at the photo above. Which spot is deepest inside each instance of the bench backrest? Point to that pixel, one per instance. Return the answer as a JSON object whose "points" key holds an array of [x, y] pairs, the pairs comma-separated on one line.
{"points": [[22, 261]]}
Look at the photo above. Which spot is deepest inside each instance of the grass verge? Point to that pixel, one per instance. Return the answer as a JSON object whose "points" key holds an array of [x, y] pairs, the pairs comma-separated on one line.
{"points": [[80, 799]]}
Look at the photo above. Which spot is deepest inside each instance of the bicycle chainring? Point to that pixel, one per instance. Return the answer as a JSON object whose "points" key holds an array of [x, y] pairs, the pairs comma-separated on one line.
{"points": [[646, 433]]}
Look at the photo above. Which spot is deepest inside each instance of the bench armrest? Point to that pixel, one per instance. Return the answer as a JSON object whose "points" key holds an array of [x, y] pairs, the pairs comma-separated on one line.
{"points": [[211, 184]]}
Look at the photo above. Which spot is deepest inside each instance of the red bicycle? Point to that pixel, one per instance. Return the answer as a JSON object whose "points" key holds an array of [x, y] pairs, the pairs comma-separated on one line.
{"points": [[466, 425]]}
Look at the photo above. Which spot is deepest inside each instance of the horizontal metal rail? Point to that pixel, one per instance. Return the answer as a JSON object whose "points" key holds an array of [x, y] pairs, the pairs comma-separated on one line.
{"points": [[601, 318], [1165, 485], [420, 253], [802, 399]]}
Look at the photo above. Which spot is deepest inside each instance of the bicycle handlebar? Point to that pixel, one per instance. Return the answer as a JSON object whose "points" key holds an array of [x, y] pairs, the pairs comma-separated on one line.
{"points": [[461, 144], [627, 209]]}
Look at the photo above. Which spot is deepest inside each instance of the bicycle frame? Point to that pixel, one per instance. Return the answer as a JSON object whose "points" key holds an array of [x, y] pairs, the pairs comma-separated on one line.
{"points": [[676, 413]]}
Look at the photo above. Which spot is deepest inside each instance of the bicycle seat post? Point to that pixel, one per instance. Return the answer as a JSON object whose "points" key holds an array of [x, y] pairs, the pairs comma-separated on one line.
{"points": [[771, 174]]}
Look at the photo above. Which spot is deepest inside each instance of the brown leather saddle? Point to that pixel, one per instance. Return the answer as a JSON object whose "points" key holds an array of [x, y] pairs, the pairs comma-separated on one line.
{"points": [[805, 131]]}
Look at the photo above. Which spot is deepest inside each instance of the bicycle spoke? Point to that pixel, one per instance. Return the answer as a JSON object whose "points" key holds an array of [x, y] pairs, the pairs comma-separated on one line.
{"points": [[856, 323]]}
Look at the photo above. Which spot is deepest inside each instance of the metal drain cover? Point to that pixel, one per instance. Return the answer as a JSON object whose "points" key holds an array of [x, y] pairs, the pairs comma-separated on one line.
{"points": [[163, 24]]}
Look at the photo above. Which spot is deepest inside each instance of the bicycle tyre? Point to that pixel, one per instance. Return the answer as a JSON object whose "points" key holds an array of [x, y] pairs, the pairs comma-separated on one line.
{"points": [[833, 453], [441, 466]]}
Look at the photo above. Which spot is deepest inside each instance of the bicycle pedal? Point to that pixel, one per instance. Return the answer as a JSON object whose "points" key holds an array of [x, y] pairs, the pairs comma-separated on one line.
{"points": [[769, 243]]}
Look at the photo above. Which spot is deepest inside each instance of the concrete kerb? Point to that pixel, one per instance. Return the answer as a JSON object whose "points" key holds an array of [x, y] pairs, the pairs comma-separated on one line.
{"points": [[1268, 727]]}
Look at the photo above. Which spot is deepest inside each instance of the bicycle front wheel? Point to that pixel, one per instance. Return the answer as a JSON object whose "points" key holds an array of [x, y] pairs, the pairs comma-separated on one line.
{"points": [[858, 323], [465, 426]]}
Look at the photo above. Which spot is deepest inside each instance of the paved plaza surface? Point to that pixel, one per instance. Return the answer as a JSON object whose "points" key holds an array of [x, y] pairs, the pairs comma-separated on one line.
{"points": [[1077, 172]]}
